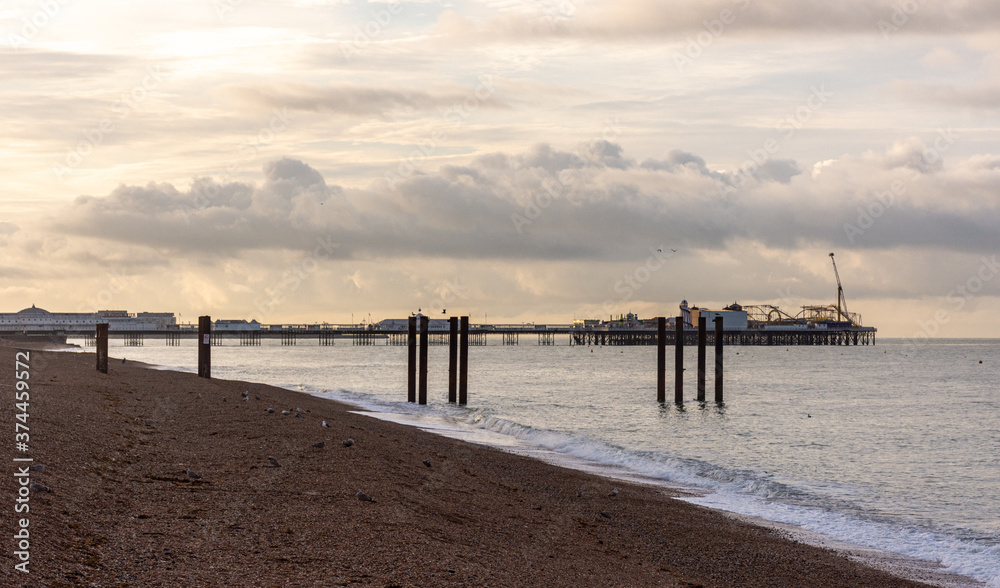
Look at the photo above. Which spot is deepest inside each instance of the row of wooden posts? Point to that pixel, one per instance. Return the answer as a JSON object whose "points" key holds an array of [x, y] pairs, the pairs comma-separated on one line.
{"points": [[661, 359], [458, 358]]}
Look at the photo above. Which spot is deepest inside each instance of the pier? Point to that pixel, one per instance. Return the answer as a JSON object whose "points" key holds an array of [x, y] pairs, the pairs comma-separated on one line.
{"points": [[483, 334]]}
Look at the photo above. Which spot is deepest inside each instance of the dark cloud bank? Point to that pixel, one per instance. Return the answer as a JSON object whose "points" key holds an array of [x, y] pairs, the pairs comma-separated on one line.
{"points": [[546, 204]]}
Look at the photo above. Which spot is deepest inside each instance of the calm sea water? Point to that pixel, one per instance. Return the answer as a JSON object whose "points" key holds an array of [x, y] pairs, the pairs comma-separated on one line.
{"points": [[894, 446]]}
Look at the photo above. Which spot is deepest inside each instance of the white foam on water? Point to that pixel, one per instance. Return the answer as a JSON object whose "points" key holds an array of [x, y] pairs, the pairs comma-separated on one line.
{"points": [[744, 492]]}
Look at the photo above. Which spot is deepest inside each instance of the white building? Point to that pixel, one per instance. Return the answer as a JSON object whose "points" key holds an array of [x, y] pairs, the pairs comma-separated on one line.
{"points": [[39, 319]]}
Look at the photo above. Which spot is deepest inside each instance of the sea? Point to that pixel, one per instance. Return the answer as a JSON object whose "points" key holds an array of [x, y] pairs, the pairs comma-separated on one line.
{"points": [[893, 447]]}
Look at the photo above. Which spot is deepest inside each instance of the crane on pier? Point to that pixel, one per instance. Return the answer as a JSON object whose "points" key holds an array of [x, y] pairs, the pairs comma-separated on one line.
{"points": [[841, 301]]}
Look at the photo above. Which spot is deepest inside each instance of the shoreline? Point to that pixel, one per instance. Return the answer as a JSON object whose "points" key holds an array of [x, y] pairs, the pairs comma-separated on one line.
{"points": [[122, 509]]}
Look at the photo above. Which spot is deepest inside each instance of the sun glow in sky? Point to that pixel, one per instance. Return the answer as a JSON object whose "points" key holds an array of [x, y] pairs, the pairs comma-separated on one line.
{"points": [[296, 160]]}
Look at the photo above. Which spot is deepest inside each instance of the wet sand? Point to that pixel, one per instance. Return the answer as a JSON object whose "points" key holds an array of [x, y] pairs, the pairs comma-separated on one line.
{"points": [[123, 510]]}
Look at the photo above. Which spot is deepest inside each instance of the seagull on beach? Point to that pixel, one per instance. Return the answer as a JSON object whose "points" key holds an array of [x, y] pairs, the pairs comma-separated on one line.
{"points": [[274, 462], [319, 445], [38, 486], [614, 493], [349, 442], [40, 468], [192, 475], [270, 410], [285, 412], [364, 497], [427, 462], [325, 426]]}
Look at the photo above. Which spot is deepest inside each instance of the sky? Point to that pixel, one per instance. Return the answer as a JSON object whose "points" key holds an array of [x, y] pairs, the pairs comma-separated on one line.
{"points": [[305, 161]]}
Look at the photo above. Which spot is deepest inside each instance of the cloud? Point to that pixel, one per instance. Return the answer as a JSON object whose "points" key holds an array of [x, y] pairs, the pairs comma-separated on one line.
{"points": [[353, 100], [624, 21], [547, 204], [982, 97]]}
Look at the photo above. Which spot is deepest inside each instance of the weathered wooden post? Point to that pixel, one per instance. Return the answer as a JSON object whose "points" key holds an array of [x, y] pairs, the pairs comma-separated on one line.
{"points": [[452, 359], [424, 321], [463, 363], [411, 362], [102, 348], [661, 359], [679, 360], [718, 358], [702, 341], [205, 346]]}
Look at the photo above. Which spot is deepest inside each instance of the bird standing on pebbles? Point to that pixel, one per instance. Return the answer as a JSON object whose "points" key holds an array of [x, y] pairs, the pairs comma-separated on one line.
{"points": [[273, 461], [349, 442], [38, 467], [270, 410], [364, 497], [192, 475], [325, 426], [319, 445], [427, 462], [39, 487], [614, 493]]}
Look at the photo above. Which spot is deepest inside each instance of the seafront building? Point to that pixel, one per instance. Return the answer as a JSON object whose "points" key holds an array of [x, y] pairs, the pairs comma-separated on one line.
{"points": [[36, 319]]}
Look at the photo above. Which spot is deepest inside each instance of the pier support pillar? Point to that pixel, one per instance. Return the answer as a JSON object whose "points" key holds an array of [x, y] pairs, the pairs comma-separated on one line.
{"points": [[422, 398], [661, 359], [463, 363], [102, 348], [453, 359], [411, 361], [205, 346], [702, 341], [718, 359], [679, 360]]}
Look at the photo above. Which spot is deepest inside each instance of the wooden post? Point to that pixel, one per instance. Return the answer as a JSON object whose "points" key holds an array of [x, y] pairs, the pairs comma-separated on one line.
{"points": [[205, 346], [453, 359], [718, 359], [661, 359], [463, 363], [102, 348], [411, 363], [702, 341], [679, 361], [422, 398]]}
